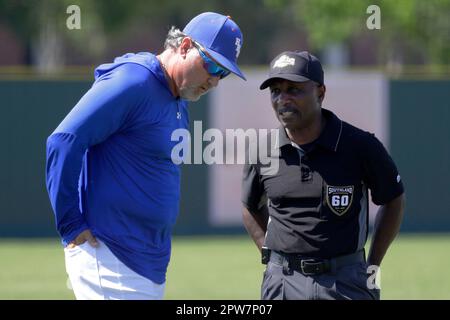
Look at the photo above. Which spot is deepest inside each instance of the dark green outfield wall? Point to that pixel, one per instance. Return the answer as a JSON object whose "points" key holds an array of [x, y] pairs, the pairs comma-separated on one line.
{"points": [[30, 110], [420, 144]]}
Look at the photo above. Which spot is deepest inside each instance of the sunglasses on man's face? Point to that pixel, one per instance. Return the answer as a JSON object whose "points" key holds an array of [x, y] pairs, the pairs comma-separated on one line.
{"points": [[211, 66]]}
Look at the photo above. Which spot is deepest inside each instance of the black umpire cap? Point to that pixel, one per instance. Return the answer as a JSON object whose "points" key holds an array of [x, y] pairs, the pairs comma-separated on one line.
{"points": [[294, 66]]}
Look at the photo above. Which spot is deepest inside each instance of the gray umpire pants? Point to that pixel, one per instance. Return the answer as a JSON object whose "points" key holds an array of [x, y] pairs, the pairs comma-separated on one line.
{"points": [[347, 282]]}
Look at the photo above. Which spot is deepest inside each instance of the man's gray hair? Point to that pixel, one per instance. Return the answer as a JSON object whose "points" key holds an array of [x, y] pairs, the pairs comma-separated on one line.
{"points": [[174, 38]]}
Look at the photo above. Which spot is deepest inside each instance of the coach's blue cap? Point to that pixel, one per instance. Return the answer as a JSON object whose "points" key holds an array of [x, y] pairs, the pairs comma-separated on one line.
{"points": [[220, 36]]}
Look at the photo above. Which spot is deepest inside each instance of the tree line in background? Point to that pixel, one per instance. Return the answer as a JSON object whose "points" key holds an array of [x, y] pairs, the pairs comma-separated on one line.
{"points": [[412, 31]]}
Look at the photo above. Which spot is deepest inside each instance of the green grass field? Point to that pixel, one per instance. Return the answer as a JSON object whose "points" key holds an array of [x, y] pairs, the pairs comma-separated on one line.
{"points": [[416, 267]]}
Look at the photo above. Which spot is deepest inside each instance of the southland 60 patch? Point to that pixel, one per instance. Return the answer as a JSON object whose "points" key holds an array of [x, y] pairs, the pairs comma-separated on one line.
{"points": [[339, 199]]}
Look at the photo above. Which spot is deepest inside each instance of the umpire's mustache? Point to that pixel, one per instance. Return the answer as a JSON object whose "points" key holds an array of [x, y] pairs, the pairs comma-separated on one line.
{"points": [[284, 109]]}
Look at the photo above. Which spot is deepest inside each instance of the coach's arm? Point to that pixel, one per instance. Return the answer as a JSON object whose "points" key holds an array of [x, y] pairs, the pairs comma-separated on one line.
{"points": [[387, 225], [100, 113]]}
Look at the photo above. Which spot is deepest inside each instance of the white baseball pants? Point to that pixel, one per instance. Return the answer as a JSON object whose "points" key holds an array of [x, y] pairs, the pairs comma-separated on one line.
{"points": [[96, 274]]}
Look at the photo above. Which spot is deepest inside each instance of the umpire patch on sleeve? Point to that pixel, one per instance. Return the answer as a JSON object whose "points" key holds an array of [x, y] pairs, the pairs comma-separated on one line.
{"points": [[339, 198]]}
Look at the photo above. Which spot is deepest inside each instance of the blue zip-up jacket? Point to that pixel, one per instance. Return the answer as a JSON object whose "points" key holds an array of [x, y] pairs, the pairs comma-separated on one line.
{"points": [[109, 165]]}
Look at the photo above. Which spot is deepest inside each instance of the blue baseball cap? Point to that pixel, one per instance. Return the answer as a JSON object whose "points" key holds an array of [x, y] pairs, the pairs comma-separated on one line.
{"points": [[220, 36]]}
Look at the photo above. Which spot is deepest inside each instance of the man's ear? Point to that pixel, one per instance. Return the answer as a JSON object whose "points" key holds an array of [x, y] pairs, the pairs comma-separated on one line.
{"points": [[321, 93], [185, 46]]}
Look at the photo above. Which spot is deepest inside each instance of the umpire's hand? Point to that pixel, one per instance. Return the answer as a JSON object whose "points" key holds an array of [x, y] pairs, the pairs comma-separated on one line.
{"points": [[86, 235]]}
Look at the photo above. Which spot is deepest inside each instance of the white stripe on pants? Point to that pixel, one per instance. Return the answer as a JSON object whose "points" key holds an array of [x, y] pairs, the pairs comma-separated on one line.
{"points": [[96, 274]]}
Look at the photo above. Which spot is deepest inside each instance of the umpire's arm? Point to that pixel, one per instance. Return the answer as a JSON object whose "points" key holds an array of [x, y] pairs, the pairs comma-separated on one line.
{"points": [[384, 181], [387, 225], [255, 214], [256, 224]]}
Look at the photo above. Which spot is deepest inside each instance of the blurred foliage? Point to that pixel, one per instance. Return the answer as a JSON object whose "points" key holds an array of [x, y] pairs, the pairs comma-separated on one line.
{"points": [[409, 28], [405, 24], [104, 20]]}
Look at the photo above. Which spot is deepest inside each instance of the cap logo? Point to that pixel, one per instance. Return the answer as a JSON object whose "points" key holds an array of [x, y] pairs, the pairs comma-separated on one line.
{"points": [[284, 61], [238, 46]]}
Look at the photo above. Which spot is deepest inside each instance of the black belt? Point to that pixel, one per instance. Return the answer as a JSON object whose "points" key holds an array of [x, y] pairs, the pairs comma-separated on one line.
{"points": [[311, 266]]}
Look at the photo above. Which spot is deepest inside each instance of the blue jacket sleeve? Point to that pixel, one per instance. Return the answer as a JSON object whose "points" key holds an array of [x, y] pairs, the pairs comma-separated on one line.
{"points": [[102, 111]]}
